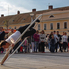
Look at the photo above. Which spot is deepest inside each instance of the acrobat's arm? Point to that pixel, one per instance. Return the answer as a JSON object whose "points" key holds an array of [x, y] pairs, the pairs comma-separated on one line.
{"points": [[6, 55]]}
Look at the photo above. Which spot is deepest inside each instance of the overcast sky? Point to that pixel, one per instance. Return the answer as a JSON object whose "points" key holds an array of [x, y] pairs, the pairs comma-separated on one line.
{"points": [[10, 7]]}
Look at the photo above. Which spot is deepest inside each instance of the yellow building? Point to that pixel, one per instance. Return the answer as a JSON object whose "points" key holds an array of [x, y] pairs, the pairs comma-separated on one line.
{"points": [[53, 19]]}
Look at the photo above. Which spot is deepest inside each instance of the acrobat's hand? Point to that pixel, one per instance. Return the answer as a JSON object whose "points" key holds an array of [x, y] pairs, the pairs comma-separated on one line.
{"points": [[12, 40]]}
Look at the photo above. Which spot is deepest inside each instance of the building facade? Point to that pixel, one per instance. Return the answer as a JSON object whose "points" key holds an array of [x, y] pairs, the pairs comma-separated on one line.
{"points": [[53, 19]]}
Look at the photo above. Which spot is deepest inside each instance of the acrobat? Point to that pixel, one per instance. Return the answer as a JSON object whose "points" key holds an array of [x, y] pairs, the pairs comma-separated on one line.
{"points": [[12, 38]]}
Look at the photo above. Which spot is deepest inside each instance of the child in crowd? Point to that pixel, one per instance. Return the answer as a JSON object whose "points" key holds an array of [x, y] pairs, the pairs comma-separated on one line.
{"points": [[52, 43], [25, 45]]}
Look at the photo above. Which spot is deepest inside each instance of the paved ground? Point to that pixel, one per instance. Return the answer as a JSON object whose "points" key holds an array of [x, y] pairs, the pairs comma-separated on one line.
{"points": [[37, 61]]}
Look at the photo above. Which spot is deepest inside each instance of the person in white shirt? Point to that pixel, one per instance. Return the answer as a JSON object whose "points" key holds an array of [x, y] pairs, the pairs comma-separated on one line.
{"points": [[42, 40], [65, 41]]}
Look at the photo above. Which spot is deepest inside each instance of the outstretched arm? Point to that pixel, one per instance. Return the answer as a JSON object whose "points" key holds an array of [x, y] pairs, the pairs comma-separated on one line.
{"points": [[6, 55]]}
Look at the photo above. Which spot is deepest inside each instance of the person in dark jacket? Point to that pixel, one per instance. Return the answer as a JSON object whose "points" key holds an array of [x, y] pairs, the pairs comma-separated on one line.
{"points": [[2, 34], [59, 41], [52, 44]]}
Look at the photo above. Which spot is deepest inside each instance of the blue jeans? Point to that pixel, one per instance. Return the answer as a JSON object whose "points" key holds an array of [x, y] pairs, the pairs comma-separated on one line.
{"points": [[49, 46], [25, 48], [36, 45]]}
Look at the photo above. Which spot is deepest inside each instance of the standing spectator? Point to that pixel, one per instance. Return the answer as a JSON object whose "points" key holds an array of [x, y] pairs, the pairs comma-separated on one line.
{"points": [[32, 43], [68, 39], [21, 48], [42, 40], [2, 34], [25, 45], [36, 40], [59, 41], [48, 41], [65, 41], [2, 37], [52, 43], [11, 32], [56, 40], [63, 33], [68, 42], [29, 43], [50, 36]]}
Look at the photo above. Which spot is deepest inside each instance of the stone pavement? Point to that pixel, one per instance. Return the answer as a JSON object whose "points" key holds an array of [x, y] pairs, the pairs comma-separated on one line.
{"points": [[37, 61]]}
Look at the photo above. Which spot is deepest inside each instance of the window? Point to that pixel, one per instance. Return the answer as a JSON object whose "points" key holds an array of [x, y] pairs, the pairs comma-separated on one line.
{"points": [[15, 27], [51, 16], [44, 26], [13, 20], [65, 25], [23, 18], [38, 26], [51, 26], [58, 25]]}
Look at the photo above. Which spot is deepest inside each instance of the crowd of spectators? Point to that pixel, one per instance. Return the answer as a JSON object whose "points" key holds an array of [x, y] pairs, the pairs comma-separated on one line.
{"points": [[54, 42]]}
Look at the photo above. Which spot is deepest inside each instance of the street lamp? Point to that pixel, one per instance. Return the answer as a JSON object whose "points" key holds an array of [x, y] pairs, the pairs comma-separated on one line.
{"points": [[31, 16]]}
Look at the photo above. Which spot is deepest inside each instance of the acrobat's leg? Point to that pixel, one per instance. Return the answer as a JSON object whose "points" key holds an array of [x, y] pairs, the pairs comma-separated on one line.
{"points": [[29, 33], [21, 29]]}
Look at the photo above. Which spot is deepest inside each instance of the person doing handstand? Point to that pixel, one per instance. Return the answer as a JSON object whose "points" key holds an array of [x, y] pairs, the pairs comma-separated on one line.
{"points": [[12, 38]]}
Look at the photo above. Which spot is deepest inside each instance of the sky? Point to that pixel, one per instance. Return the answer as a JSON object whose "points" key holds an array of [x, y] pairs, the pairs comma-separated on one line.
{"points": [[10, 7]]}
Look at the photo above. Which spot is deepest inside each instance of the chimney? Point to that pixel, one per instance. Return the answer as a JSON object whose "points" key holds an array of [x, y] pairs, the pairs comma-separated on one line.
{"points": [[33, 10], [2, 15], [18, 12], [50, 7]]}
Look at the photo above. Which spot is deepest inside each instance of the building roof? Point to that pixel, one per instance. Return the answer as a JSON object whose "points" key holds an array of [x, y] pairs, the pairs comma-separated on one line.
{"points": [[25, 17]]}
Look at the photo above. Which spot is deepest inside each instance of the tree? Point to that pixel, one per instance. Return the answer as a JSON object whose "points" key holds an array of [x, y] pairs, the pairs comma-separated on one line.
{"points": [[6, 23]]}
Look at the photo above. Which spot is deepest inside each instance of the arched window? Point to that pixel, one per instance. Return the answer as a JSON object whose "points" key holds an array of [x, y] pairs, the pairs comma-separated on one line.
{"points": [[51, 16]]}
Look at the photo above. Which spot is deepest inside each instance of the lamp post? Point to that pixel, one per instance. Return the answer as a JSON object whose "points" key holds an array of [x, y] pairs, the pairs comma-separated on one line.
{"points": [[31, 16], [31, 36]]}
